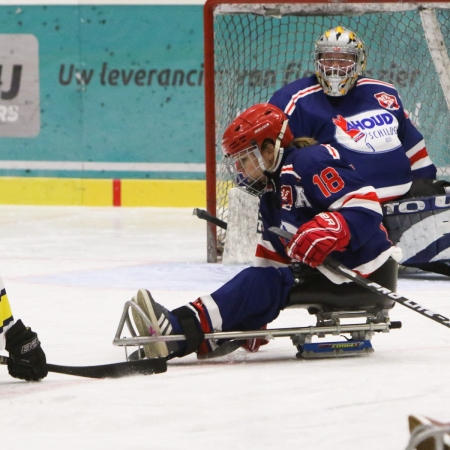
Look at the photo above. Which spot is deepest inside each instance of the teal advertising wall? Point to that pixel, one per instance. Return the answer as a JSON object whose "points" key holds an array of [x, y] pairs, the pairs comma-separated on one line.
{"points": [[114, 95], [120, 92]]}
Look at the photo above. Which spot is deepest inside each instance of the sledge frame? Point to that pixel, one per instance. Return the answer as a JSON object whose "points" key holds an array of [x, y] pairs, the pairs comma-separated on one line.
{"points": [[328, 324]]}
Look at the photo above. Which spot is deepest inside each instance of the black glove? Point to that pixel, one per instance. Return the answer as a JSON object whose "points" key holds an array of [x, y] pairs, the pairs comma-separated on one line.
{"points": [[426, 187], [26, 357]]}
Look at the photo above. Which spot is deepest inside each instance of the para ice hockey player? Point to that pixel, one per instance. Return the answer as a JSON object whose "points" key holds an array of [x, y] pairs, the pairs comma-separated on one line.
{"points": [[26, 358], [307, 189], [365, 121]]}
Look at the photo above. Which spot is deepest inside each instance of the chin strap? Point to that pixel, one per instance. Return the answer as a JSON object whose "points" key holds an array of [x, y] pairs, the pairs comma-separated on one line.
{"points": [[278, 151]]}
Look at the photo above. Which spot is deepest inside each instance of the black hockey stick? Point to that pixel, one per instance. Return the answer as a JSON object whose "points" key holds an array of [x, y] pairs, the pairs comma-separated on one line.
{"points": [[205, 215], [337, 267], [115, 370]]}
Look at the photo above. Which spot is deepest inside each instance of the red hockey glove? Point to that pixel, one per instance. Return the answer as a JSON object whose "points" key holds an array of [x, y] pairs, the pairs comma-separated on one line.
{"points": [[252, 345], [316, 239]]}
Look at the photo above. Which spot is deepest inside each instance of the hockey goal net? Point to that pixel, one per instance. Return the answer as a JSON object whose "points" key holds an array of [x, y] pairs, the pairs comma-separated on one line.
{"points": [[254, 48]]}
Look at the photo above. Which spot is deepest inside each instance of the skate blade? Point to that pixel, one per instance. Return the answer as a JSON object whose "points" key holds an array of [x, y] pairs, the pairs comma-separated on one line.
{"points": [[335, 349]]}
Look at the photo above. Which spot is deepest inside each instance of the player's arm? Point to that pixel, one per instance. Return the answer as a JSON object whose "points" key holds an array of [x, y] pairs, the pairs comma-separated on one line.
{"points": [[351, 210], [414, 145], [280, 98], [290, 100], [6, 317], [26, 357]]}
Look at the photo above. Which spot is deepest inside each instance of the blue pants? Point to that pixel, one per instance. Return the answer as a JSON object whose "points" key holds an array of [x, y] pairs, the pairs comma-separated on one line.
{"points": [[252, 299]]}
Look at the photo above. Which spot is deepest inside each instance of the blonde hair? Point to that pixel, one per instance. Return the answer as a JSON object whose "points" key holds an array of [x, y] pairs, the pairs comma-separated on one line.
{"points": [[304, 141]]}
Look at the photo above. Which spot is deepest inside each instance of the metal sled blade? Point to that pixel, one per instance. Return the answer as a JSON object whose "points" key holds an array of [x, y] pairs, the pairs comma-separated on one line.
{"points": [[335, 349]]}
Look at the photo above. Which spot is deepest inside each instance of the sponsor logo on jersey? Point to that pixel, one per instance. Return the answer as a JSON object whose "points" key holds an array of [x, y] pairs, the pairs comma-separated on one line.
{"points": [[286, 197], [387, 101], [368, 132]]}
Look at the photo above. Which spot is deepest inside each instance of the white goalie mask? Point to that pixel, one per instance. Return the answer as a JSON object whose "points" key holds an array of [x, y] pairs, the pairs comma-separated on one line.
{"points": [[339, 58]]}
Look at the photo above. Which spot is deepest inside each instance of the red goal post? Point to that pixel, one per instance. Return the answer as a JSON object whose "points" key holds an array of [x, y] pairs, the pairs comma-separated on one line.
{"points": [[252, 48]]}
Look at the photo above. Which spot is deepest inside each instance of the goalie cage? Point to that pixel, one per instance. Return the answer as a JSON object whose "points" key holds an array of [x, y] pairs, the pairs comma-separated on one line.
{"points": [[254, 48]]}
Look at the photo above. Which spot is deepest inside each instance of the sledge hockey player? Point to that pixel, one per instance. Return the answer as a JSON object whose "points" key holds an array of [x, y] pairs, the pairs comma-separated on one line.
{"points": [[307, 189], [26, 358], [365, 121]]}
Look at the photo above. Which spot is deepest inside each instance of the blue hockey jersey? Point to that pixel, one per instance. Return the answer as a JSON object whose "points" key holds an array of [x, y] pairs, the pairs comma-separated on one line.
{"points": [[368, 126], [309, 181]]}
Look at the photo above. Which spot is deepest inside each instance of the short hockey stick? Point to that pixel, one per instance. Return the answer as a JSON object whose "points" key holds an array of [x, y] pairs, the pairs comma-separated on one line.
{"points": [[339, 268], [205, 215], [115, 370]]}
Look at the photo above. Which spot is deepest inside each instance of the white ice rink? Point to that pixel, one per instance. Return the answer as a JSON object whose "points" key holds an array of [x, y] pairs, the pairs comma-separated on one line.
{"points": [[68, 272]]}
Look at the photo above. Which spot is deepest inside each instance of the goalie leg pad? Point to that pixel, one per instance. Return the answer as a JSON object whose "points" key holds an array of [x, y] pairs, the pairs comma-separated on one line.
{"points": [[420, 227], [191, 329]]}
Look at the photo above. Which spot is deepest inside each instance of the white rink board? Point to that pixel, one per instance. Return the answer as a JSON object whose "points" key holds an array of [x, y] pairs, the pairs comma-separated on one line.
{"points": [[68, 272]]}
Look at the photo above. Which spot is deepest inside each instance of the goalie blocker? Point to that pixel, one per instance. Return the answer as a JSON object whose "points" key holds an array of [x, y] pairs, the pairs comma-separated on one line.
{"points": [[421, 228]]}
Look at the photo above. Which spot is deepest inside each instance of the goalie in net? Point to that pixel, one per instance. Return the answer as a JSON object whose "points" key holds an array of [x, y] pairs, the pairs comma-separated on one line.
{"points": [[362, 117], [309, 190]]}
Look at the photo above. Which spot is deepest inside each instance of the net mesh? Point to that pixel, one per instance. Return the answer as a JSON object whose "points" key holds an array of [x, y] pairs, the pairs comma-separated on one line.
{"points": [[257, 54]]}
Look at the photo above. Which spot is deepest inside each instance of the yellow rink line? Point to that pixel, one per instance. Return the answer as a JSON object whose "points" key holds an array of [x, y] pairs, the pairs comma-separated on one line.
{"points": [[102, 192]]}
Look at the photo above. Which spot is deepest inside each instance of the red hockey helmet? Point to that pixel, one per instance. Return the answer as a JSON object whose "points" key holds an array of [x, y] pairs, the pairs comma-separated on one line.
{"points": [[242, 145], [254, 125]]}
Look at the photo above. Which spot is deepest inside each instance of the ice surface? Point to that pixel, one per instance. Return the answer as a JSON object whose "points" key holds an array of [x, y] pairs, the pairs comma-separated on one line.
{"points": [[68, 272]]}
